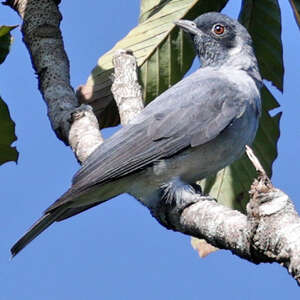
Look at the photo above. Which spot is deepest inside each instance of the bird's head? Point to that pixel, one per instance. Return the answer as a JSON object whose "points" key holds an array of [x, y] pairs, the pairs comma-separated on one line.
{"points": [[218, 39]]}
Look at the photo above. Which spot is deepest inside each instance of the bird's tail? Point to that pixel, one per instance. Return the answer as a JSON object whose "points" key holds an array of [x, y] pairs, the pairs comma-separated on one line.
{"points": [[38, 227]]}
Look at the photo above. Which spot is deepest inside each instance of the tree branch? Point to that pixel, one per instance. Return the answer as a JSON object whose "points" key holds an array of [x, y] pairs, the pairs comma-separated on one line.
{"points": [[75, 125], [125, 88], [269, 233]]}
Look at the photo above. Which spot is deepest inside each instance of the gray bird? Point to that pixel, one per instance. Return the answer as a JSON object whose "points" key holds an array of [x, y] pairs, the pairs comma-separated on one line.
{"points": [[192, 130]]}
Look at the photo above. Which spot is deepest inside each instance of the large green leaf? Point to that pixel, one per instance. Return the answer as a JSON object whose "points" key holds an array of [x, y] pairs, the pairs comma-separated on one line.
{"points": [[164, 55], [7, 135], [231, 185], [263, 21], [5, 41], [296, 10]]}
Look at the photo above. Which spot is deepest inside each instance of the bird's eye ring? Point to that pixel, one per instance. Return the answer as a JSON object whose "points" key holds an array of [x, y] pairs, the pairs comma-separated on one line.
{"points": [[218, 29]]}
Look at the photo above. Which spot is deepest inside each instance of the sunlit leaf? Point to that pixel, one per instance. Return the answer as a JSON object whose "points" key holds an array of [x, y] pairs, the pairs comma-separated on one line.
{"points": [[163, 52]]}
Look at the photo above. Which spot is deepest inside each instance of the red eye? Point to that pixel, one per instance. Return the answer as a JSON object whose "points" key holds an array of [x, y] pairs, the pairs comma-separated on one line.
{"points": [[218, 29]]}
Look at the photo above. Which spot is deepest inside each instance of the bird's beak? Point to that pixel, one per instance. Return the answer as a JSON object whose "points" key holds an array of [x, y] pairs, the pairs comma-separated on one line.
{"points": [[188, 26]]}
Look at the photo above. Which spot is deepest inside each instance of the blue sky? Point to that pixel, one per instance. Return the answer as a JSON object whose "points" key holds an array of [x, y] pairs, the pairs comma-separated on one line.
{"points": [[117, 250]]}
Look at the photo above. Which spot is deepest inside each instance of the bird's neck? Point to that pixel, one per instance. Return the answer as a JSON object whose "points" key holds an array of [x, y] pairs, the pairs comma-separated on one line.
{"points": [[245, 60], [240, 58]]}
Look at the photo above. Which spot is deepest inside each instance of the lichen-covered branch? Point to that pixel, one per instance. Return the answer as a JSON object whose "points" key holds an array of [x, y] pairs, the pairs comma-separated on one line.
{"points": [[125, 88], [75, 125], [269, 233], [274, 225]]}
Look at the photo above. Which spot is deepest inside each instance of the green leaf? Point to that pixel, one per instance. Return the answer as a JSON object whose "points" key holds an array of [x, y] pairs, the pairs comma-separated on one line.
{"points": [[7, 135], [163, 53], [263, 21], [7, 126], [5, 41], [295, 4], [231, 185]]}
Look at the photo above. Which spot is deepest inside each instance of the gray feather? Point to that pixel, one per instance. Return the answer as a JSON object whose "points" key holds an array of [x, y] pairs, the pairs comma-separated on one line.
{"points": [[39, 226]]}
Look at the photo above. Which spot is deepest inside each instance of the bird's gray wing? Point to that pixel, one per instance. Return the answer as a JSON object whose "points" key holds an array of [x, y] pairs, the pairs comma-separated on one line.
{"points": [[191, 113]]}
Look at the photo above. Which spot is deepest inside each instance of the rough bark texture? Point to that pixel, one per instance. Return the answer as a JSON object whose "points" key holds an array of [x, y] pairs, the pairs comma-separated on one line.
{"points": [[84, 133], [269, 233], [125, 88], [43, 39]]}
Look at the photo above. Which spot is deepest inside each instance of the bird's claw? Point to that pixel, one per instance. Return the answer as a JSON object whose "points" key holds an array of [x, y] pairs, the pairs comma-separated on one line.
{"points": [[174, 199]]}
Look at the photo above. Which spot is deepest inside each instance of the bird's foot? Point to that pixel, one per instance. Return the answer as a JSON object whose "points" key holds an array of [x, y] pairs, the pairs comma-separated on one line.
{"points": [[175, 197]]}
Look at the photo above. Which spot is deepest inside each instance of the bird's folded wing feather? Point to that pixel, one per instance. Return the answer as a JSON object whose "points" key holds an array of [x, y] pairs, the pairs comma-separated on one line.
{"points": [[189, 114]]}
